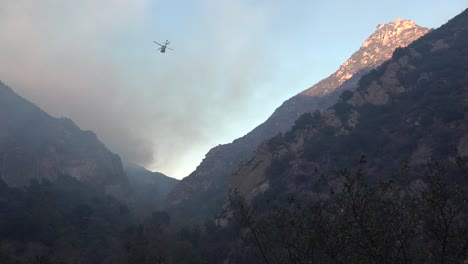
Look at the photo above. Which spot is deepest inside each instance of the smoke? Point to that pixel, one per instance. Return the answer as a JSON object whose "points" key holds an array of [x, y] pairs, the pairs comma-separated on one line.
{"points": [[94, 62]]}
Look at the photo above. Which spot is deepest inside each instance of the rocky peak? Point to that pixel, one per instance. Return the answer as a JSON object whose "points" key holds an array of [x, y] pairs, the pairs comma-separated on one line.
{"points": [[386, 33], [378, 48]]}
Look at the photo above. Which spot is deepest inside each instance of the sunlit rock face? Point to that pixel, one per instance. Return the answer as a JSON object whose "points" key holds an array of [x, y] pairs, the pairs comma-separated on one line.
{"points": [[208, 184], [378, 48]]}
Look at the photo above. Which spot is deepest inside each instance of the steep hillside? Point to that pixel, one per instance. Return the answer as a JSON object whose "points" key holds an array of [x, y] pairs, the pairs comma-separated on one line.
{"points": [[150, 188], [201, 194], [34, 144], [411, 110]]}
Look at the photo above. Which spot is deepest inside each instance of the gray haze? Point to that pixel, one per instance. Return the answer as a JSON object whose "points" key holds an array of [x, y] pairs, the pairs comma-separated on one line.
{"points": [[234, 62], [94, 62]]}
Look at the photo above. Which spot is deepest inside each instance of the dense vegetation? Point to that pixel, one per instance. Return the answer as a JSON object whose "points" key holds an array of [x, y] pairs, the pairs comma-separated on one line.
{"points": [[358, 222], [361, 222], [65, 221], [68, 222]]}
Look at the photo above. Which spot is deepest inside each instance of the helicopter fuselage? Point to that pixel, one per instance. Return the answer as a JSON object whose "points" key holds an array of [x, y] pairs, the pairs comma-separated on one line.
{"points": [[163, 46]]}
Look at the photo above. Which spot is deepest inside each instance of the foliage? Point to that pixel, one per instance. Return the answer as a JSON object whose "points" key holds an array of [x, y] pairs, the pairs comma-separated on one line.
{"points": [[306, 119], [68, 220], [359, 222], [342, 110], [161, 217], [346, 95]]}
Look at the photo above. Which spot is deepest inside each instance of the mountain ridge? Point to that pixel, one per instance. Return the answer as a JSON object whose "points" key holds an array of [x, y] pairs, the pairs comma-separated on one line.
{"points": [[209, 182], [37, 145], [410, 110], [150, 187]]}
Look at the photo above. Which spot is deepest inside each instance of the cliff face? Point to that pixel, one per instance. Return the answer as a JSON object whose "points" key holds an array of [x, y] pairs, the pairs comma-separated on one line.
{"points": [[34, 144], [411, 110], [208, 184]]}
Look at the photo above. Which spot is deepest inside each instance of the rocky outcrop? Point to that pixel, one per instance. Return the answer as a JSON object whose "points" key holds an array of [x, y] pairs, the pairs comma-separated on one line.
{"points": [[378, 48], [34, 144], [212, 176]]}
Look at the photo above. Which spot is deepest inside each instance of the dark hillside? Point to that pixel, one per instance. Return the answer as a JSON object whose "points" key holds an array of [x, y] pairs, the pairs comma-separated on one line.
{"points": [[34, 144], [150, 188]]}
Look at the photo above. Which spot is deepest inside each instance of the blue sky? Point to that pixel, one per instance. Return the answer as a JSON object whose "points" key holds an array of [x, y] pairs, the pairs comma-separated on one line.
{"points": [[233, 63]]}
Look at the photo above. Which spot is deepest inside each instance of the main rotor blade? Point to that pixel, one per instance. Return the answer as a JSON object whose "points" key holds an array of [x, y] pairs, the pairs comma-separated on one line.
{"points": [[169, 48], [158, 44]]}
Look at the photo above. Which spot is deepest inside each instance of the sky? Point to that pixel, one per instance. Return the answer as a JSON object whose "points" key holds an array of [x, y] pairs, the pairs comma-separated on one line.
{"points": [[234, 62]]}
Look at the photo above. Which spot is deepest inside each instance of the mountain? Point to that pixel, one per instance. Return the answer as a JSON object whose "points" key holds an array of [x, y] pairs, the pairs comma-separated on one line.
{"points": [[150, 188], [201, 194], [34, 144], [379, 177], [410, 111]]}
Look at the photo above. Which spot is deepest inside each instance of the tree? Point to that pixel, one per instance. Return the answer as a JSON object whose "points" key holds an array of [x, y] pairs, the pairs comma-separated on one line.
{"points": [[364, 221]]}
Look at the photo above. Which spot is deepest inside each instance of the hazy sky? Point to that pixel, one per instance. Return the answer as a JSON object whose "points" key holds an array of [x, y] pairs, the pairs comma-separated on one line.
{"points": [[234, 62]]}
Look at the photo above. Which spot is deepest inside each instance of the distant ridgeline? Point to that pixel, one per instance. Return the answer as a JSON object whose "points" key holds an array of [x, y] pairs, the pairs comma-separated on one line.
{"points": [[34, 144], [64, 197]]}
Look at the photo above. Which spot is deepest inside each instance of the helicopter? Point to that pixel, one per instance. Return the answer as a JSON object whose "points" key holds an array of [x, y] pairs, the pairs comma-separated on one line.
{"points": [[163, 46]]}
